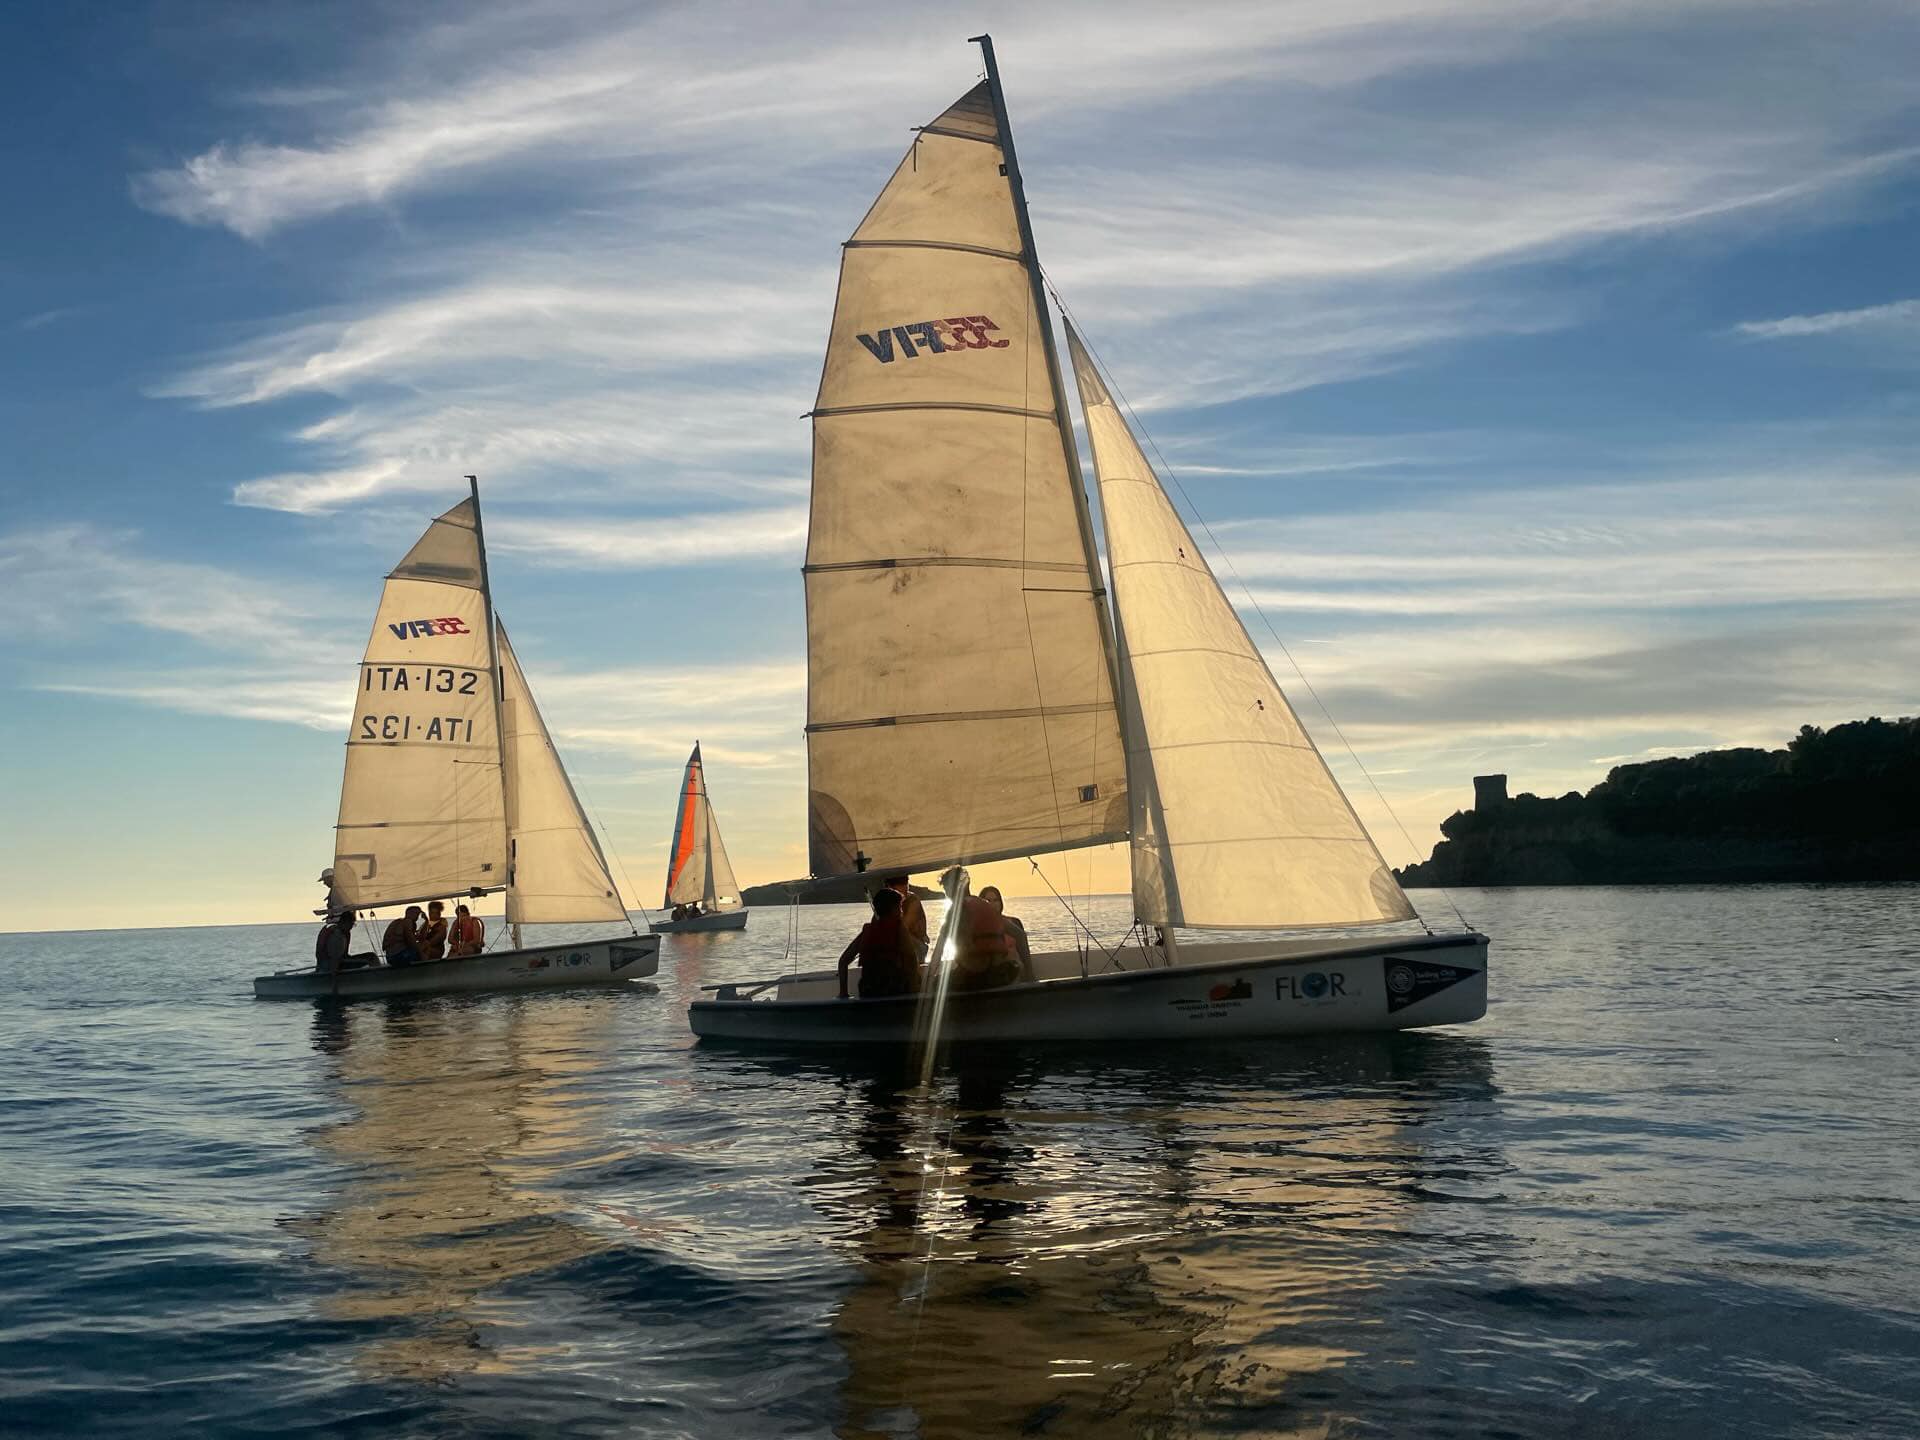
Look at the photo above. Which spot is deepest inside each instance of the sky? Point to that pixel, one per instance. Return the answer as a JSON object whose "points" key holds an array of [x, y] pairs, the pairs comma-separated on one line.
{"points": [[1545, 373]]}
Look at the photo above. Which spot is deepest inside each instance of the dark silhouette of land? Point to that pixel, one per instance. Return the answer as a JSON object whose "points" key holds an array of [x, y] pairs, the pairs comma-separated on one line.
{"points": [[842, 890], [1839, 804]]}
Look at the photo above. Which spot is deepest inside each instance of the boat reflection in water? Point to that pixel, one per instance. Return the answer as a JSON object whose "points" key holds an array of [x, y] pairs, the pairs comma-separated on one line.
{"points": [[1148, 1245], [459, 1115]]}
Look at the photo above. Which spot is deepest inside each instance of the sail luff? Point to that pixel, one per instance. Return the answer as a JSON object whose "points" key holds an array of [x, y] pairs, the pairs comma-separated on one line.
{"points": [[493, 659], [1063, 418], [1240, 824]]}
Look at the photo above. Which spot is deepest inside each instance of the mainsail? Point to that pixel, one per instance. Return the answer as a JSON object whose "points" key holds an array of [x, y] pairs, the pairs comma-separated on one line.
{"points": [[1237, 822], [452, 783], [422, 812], [557, 872], [959, 704], [698, 868]]}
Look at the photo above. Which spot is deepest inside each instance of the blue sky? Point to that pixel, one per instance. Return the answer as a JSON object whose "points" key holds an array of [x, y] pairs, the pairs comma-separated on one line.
{"points": [[1546, 371]]}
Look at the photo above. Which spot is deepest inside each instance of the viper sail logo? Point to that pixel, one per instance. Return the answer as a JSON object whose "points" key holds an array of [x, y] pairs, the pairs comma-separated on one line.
{"points": [[415, 629], [936, 337]]}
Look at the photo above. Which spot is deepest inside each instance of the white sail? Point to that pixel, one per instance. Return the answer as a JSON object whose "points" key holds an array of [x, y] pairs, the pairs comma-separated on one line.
{"points": [[722, 888], [959, 704], [421, 808], [557, 872], [1237, 822]]}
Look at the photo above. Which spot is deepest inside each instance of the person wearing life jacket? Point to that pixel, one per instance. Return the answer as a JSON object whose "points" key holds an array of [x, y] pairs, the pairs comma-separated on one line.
{"points": [[469, 933], [888, 965], [985, 958], [1016, 932], [331, 944]]}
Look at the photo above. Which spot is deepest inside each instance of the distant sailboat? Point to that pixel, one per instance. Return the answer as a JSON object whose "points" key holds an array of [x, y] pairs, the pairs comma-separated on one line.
{"points": [[971, 697], [453, 790], [698, 873]]}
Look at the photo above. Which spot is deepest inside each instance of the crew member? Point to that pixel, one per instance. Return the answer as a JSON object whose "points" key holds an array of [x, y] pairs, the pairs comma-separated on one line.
{"points": [[469, 933], [1016, 932], [401, 943], [888, 965], [985, 958], [433, 935], [913, 915]]}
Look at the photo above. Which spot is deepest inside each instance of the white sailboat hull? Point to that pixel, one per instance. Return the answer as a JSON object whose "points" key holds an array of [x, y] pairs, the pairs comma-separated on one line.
{"points": [[615, 961], [1277, 988], [723, 920]]}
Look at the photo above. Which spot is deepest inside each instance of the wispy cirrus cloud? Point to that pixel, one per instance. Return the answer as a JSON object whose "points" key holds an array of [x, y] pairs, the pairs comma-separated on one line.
{"points": [[1897, 315]]}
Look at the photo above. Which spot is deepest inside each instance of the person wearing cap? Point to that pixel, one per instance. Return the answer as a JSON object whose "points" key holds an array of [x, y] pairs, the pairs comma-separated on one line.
{"points": [[336, 902]]}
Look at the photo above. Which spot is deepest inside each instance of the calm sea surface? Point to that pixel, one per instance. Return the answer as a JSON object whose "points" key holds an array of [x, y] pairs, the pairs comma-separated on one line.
{"points": [[1670, 1186]]}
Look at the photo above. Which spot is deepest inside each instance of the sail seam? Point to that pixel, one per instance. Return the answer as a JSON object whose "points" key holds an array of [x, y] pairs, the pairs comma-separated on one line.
{"points": [[988, 250], [993, 140], [1199, 744], [1043, 712], [1264, 839], [982, 562], [487, 821], [930, 405], [1197, 650]]}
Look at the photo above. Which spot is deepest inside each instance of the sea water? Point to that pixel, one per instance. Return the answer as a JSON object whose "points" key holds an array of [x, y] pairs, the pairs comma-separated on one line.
{"points": [[1669, 1186]]}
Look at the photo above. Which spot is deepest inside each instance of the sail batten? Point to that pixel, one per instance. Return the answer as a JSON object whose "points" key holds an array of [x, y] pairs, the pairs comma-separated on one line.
{"points": [[959, 699], [1237, 822]]}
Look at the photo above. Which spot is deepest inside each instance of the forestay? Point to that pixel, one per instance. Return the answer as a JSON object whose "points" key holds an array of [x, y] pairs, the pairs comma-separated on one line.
{"points": [[1237, 822], [959, 701], [698, 868], [421, 806], [558, 873]]}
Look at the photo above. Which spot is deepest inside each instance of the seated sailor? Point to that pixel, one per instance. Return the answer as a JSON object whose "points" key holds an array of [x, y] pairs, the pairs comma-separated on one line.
{"points": [[469, 933], [985, 958], [433, 934], [1016, 931], [401, 943], [888, 965], [330, 946]]}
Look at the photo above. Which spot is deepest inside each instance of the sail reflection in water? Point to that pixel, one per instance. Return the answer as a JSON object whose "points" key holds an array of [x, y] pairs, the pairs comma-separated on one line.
{"points": [[458, 1118], [1173, 1247]]}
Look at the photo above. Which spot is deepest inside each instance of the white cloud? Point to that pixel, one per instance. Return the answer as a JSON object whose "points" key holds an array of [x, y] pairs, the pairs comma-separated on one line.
{"points": [[707, 539], [1899, 314]]}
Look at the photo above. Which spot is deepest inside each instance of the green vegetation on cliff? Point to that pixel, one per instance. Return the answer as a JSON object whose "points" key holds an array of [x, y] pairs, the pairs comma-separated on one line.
{"points": [[1839, 804]]}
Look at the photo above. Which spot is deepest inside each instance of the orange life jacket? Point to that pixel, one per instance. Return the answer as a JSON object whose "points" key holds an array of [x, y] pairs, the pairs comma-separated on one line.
{"points": [[468, 930], [983, 934]]}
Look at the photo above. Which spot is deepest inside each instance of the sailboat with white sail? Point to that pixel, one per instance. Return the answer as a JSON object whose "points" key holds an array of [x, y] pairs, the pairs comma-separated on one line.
{"points": [[453, 790], [972, 697], [701, 891]]}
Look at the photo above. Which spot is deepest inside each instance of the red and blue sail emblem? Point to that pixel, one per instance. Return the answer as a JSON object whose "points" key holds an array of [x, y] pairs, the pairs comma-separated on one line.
{"points": [[932, 337]]}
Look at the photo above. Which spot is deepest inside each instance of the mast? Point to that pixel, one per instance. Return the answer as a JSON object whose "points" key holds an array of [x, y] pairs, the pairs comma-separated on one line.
{"points": [[1063, 418], [493, 663]]}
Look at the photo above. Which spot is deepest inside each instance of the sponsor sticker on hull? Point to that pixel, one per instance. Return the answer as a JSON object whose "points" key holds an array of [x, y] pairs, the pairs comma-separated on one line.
{"points": [[1411, 981]]}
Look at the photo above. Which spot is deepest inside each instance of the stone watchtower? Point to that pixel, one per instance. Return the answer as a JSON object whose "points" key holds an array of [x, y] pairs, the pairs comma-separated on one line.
{"points": [[1489, 792]]}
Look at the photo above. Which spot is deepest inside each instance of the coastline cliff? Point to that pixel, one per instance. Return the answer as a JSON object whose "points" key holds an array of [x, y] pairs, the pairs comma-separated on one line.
{"points": [[1840, 804]]}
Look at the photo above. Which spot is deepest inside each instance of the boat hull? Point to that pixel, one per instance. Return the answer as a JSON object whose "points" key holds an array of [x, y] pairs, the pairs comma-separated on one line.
{"points": [[1236, 990], [610, 962], [720, 920]]}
